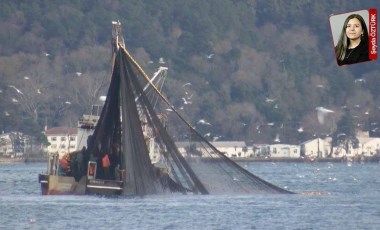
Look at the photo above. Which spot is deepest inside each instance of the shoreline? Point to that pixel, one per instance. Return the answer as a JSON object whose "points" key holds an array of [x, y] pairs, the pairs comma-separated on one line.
{"points": [[9, 160], [374, 159]]}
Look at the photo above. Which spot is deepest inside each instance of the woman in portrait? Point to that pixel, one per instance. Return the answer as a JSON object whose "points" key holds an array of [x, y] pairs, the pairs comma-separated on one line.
{"points": [[352, 46]]}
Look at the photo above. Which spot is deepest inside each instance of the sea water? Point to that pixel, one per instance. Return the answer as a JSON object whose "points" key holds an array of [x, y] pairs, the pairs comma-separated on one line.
{"points": [[329, 196]]}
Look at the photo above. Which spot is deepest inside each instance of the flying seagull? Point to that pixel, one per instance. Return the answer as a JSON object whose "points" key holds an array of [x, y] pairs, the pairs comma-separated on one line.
{"points": [[18, 91], [203, 122], [277, 139], [321, 113], [103, 98], [186, 101], [209, 56]]}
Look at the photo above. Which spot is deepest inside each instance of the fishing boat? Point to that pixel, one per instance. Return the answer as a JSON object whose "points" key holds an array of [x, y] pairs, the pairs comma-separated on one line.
{"points": [[130, 148]]}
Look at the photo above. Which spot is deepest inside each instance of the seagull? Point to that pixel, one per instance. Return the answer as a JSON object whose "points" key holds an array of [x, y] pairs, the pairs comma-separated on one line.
{"points": [[300, 129], [268, 100], [26, 78], [18, 91], [169, 109], [215, 138], [203, 122], [321, 113], [14, 100], [340, 134], [102, 98], [38, 91], [67, 102], [186, 101], [188, 83], [207, 134], [209, 56], [6, 113], [277, 139], [270, 124], [78, 73], [359, 80], [320, 86], [161, 60], [46, 54]]}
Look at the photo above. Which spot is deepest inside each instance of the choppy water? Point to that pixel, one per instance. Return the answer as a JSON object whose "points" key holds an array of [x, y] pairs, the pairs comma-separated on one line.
{"points": [[351, 201]]}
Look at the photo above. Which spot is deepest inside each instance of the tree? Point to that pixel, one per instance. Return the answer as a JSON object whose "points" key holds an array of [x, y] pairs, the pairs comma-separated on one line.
{"points": [[345, 135]]}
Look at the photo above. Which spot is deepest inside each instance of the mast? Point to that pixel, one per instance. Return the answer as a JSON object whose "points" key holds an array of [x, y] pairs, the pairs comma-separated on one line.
{"points": [[117, 40]]}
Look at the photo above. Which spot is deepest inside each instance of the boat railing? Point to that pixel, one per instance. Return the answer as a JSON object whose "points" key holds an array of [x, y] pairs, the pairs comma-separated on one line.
{"points": [[53, 164]]}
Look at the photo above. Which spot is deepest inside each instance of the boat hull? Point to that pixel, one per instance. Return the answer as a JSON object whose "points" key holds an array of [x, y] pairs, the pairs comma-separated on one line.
{"points": [[65, 185]]}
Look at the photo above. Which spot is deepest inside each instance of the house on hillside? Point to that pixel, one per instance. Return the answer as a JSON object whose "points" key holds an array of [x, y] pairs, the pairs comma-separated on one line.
{"points": [[61, 140]]}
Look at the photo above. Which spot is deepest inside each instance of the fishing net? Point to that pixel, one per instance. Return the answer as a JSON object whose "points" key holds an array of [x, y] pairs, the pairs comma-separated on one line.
{"points": [[136, 130]]}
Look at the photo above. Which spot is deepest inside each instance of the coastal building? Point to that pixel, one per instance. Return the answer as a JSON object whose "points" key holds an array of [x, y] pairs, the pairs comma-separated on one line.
{"points": [[12, 144], [61, 140], [315, 148], [368, 146], [234, 148], [284, 151]]}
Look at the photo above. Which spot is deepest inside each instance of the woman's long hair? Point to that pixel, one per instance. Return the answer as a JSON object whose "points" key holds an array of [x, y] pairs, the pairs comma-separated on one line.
{"points": [[344, 41]]}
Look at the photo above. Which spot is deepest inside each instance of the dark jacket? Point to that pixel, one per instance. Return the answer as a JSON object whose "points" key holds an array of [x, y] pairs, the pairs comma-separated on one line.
{"points": [[355, 55]]}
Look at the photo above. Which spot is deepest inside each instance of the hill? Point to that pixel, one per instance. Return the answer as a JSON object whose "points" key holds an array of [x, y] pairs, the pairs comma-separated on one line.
{"points": [[257, 69]]}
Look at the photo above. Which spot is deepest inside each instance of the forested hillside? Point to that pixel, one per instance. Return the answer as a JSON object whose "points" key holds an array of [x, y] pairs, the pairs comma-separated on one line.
{"points": [[258, 69]]}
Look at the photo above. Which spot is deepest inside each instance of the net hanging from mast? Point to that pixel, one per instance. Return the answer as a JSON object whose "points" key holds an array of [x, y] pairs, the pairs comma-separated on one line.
{"points": [[141, 126]]}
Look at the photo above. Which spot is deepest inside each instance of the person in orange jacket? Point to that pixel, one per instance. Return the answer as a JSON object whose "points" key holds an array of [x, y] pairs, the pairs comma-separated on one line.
{"points": [[106, 166]]}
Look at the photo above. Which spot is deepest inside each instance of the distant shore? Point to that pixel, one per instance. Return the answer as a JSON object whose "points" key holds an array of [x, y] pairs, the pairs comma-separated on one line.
{"points": [[374, 159], [10, 160]]}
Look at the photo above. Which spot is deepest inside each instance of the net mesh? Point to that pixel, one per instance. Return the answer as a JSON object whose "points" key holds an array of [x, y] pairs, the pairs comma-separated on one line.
{"points": [[136, 130]]}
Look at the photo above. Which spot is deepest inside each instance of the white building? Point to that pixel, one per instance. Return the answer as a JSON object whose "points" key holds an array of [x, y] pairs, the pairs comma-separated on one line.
{"points": [[234, 148], [315, 148], [368, 146], [12, 144], [284, 151], [229, 148], [61, 140]]}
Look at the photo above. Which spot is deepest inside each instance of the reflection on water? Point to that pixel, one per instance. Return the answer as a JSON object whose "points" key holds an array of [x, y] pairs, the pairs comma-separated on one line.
{"points": [[329, 196]]}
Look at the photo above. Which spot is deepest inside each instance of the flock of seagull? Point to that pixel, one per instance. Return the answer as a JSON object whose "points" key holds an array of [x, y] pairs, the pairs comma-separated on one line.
{"points": [[322, 112]]}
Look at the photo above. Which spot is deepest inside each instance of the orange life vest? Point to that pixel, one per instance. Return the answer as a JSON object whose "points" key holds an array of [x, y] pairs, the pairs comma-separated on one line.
{"points": [[106, 161], [63, 163]]}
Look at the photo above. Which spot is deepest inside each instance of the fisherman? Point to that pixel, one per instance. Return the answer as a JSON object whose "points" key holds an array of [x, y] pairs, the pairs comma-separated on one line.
{"points": [[115, 161], [63, 164], [106, 166]]}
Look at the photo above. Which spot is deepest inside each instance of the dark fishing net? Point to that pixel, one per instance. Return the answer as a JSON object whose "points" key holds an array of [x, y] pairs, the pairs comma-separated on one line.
{"points": [[138, 120]]}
